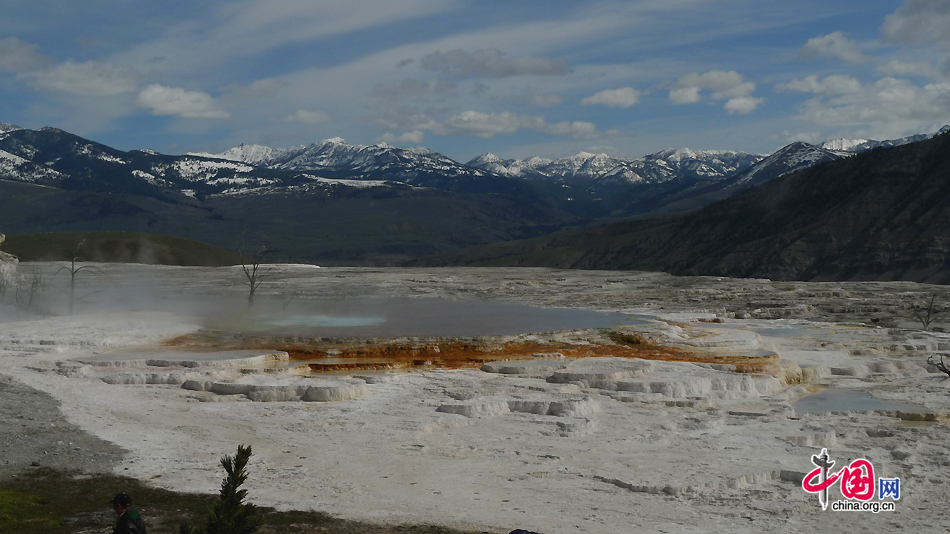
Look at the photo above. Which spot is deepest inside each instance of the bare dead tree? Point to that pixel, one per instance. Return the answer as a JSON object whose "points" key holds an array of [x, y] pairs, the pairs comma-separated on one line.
{"points": [[7, 269], [928, 314], [252, 271], [31, 288], [4, 283], [73, 270], [940, 364]]}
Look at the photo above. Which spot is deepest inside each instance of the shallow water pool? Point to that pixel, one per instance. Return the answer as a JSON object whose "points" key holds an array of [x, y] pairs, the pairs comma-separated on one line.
{"points": [[383, 318], [849, 400]]}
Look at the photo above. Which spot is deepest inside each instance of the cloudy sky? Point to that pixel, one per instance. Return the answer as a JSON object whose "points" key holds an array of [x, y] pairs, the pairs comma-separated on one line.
{"points": [[514, 77]]}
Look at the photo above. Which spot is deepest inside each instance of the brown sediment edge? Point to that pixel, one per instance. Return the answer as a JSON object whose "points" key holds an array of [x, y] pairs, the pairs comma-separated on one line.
{"points": [[466, 353]]}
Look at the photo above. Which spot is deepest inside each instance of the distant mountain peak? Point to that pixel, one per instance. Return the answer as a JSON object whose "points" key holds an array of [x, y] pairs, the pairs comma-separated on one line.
{"points": [[843, 144], [536, 160], [487, 157], [790, 158]]}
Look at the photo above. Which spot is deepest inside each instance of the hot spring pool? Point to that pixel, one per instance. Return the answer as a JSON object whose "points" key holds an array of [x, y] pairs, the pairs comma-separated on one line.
{"points": [[849, 400], [374, 318]]}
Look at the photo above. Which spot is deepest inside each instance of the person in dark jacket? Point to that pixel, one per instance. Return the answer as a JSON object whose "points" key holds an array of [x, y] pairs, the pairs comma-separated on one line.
{"points": [[129, 521]]}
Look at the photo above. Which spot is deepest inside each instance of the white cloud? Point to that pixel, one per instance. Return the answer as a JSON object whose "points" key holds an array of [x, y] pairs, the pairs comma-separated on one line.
{"points": [[725, 85], [833, 45], [90, 78], [307, 117], [918, 21], [831, 85], [615, 98], [492, 63], [740, 90], [85, 79], [685, 95], [414, 137], [179, 102], [890, 106], [742, 105], [489, 124], [17, 55], [715, 80], [240, 30]]}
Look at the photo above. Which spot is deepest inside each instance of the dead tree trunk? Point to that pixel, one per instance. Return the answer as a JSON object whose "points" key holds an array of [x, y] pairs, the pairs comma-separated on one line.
{"points": [[253, 273]]}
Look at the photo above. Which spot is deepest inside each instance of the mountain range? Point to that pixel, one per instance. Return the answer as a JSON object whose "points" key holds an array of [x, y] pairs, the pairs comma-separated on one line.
{"points": [[879, 215], [335, 203]]}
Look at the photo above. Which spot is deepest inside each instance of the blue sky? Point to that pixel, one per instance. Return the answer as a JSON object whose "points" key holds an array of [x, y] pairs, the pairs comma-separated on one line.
{"points": [[516, 78]]}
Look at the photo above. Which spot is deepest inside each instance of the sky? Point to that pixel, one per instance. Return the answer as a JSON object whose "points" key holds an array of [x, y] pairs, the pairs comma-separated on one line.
{"points": [[518, 78]]}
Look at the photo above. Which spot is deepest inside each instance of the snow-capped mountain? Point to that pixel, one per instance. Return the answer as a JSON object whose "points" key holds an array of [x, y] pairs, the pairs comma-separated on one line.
{"points": [[586, 184], [848, 145], [24, 170], [6, 128], [791, 158], [514, 168], [854, 146], [337, 158], [654, 168], [53, 157], [257, 155]]}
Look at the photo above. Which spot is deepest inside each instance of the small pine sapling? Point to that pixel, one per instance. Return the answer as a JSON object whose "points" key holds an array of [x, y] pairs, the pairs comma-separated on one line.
{"points": [[230, 514]]}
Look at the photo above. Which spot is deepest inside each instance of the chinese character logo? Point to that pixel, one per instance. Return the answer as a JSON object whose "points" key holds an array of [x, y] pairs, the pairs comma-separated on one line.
{"points": [[855, 480], [889, 487]]}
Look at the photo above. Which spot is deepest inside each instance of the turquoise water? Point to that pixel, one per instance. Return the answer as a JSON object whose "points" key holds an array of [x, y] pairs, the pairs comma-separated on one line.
{"points": [[426, 317], [849, 400]]}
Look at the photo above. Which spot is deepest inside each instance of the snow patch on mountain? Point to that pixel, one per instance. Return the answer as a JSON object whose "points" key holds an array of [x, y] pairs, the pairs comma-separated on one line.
{"points": [[854, 146], [7, 128], [94, 152], [257, 155], [602, 168], [16, 168], [199, 169], [791, 158], [843, 144], [16, 160], [358, 184], [150, 178]]}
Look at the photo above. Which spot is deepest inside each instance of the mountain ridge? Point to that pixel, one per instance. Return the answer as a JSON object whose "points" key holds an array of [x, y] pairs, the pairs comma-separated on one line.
{"points": [[878, 215], [398, 203]]}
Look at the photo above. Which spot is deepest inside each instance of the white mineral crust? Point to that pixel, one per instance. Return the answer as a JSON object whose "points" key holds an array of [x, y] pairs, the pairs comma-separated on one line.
{"points": [[555, 445]]}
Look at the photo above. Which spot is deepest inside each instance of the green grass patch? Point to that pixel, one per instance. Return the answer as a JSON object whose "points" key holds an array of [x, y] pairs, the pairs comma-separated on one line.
{"points": [[47, 501], [20, 512]]}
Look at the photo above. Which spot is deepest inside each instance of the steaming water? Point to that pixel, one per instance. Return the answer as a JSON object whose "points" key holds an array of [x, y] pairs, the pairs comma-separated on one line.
{"points": [[321, 320], [426, 317], [849, 400]]}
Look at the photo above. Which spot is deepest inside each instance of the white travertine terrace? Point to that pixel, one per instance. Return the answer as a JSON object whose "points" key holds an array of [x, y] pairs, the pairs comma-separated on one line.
{"points": [[558, 445]]}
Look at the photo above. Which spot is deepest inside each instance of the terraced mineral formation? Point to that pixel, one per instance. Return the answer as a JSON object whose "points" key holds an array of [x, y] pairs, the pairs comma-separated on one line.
{"points": [[695, 421]]}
